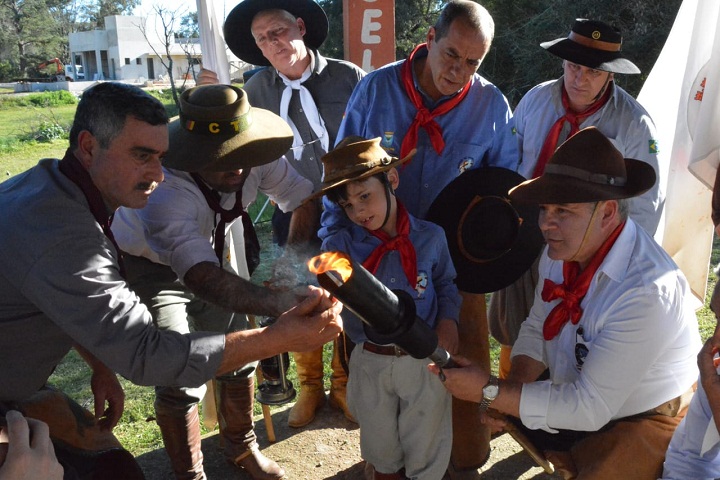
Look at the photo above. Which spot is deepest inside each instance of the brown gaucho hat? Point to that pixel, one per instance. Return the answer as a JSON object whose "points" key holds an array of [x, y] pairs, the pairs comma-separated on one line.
{"points": [[586, 168], [593, 44], [218, 130]]}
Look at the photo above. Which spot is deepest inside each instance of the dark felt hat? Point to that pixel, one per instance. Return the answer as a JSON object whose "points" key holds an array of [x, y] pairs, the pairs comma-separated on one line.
{"points": [[593, 44], [355, 158], [586, 168], [238, 35], [218, 130], [491, 240]]}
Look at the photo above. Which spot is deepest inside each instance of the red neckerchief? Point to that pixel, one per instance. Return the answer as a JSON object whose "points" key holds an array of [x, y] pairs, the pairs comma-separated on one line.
{"points": [[71, 167], [575, 119], [226, 216], [573, 289], [401, 243], [425, 118]]}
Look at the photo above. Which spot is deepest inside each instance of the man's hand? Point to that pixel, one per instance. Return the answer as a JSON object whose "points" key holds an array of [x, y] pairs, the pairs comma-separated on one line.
{"points": [[464, 382], [207, 77], [26, 452], [311, 324], [106, 388]]}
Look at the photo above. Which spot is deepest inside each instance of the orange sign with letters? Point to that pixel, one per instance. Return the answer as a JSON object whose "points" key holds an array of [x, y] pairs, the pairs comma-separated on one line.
{"points": [[369, 32]]}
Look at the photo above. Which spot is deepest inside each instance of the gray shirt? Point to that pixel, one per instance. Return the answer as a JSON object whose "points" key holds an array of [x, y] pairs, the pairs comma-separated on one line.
{"points": [[60, 284]]}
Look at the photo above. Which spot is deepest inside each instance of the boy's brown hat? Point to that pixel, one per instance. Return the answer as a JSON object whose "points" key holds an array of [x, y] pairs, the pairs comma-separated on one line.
{"points": [[355, 158]]}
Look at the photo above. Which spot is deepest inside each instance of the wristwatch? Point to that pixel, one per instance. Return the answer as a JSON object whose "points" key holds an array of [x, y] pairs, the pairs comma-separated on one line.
{"points": [[490, 392]]}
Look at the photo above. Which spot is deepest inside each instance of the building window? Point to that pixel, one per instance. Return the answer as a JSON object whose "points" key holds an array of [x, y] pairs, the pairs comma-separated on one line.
{"points": [[127, 61], [138, 61]]}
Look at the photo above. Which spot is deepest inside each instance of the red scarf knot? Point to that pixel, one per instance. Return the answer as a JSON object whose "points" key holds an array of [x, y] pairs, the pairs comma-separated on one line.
{"points": [[425, 118], [575, 119], [573, 289], [401, 242]]}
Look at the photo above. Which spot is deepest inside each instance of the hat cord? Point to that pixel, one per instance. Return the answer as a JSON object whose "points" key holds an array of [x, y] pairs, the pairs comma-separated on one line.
{"points": [[587, 233]]}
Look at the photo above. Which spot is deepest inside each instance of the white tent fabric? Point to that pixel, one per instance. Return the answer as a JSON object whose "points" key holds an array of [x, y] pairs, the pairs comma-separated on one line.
{"points": [[682, 95]]}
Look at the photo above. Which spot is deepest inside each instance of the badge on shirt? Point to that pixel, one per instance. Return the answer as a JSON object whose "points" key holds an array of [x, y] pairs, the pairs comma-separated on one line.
{"points": [[387, 141], [422, 283], [581, 350], [465, 165], [653, 144]]}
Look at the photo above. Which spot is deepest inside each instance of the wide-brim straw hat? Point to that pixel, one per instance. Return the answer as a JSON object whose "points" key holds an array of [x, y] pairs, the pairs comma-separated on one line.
{"points": [[492, 241], [218, 130], [593, 44], [586, 168], [355, 158], [238, 34]]}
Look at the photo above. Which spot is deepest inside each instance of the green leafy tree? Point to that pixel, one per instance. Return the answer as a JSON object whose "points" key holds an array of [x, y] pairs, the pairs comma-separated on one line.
{"points": [[95, 12], [30, 35]]}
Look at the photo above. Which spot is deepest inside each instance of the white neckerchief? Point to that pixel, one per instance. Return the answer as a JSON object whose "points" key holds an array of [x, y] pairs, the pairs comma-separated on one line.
{"points": [[309, 108]]}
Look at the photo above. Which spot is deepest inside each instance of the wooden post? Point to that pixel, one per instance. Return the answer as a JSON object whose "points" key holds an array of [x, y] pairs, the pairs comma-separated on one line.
{"points": [[471, 439]]}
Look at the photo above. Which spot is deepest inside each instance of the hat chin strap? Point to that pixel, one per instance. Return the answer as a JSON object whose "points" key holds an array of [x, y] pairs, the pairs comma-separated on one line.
{"points": [[602, 90], [587, 233], [388, 192]]}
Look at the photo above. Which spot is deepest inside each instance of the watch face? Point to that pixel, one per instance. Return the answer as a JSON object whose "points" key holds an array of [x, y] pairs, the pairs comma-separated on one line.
{"points": [[490, 392]]}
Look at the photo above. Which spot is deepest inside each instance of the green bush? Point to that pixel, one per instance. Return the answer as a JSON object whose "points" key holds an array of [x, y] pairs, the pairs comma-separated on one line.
{"points": [[42, 100]]}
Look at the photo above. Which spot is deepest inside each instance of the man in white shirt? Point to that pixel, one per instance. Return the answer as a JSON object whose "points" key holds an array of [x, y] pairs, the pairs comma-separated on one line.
{"points": [[182, 263], [611, 322]]}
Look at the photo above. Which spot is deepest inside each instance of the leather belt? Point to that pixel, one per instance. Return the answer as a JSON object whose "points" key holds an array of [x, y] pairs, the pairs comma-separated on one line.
{"points": [[390, 350]]}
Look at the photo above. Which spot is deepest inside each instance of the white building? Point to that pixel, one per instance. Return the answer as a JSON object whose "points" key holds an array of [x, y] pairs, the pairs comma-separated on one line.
{"points": [[122, 52]]}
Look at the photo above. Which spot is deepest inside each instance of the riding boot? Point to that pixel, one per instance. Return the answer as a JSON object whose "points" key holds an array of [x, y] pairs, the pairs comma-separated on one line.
{"points": [[338, 382], [235, 416], [181, 436], [309, 367]]}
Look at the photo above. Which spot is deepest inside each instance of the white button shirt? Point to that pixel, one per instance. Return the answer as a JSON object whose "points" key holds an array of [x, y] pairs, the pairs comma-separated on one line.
{"points": [[639, 332]]}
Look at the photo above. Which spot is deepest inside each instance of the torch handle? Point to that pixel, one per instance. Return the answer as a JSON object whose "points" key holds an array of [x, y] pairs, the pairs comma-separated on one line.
{"points": [[442, 358]]}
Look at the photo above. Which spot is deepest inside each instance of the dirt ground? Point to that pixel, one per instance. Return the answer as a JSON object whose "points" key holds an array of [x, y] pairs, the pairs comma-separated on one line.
{"points": [[328, 448]]}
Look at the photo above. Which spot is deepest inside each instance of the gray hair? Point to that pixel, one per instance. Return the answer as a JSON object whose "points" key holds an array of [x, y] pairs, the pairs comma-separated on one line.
{"points": [[104, 108], [473, 14]]}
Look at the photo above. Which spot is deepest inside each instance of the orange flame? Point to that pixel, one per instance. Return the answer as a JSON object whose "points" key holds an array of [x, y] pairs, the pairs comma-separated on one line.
{"points": [[336, 261]]}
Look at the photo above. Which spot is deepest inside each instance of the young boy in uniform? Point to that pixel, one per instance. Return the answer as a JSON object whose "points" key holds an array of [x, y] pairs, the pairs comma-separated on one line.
{"points": [[404, 413]]}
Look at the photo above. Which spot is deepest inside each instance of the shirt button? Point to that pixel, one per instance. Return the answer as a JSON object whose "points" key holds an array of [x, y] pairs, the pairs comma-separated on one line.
{"points": [[426, 186], [392, 280]]}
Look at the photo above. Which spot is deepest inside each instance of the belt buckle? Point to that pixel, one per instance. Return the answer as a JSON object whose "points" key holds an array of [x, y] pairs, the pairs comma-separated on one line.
{"points": [[399, 352]]}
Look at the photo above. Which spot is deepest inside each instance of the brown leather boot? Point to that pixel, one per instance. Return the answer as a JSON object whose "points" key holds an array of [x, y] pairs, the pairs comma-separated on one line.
{"points": [[338, 383], [181, 436], [309, 367], [235, 416]]}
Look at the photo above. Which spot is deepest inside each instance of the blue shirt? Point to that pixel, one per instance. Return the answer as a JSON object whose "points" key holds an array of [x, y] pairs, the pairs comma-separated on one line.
{"points": [[435, 293], [684, 458], [477, 132]]}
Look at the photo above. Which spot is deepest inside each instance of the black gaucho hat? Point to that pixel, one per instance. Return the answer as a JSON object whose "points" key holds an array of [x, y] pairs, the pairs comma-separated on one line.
{"points": [[491, 240], [592, 44], [238, 35]]}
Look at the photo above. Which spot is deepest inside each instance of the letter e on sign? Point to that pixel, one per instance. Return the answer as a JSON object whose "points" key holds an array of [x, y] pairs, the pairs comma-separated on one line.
{"points": [[369, 43]]}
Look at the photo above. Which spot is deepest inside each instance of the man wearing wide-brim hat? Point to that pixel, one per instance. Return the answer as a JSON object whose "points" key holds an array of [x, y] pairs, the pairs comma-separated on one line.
{"points": [[185, 256], [310, 91], [612, 322], [586, 95]]}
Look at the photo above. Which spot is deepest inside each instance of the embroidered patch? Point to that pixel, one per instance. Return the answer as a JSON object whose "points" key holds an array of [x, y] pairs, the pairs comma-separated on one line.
{"points": [[465, 165], [387, 141], [422, 283], [514, 131], [653, 144]]}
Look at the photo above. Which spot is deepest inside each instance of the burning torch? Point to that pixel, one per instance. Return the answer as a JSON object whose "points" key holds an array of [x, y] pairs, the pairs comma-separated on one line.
{"points": [[390, 314]]}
